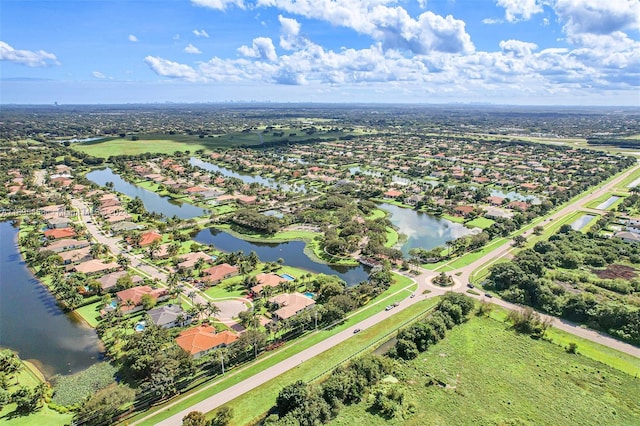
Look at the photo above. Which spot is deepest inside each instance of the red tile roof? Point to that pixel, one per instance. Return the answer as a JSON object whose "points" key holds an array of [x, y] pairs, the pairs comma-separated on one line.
{"points": [[60, 233], [203, 338], [149, 237], [219, 272]]}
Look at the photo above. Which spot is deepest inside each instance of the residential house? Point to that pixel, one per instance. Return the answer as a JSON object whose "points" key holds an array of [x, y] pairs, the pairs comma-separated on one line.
{"points": [[130, 300], [202, 339], [464, 211], [148, 238], [109, 281], [169, 316], [189, 260], [94, 266], [629, 237], [65, 244], [217, 273], [125, 226], [58, 222], [76, 256], [58, 233], [266, 280], [291, 304]]}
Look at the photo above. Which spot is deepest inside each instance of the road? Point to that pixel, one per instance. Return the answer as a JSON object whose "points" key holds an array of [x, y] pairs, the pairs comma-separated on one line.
{"points": [[461, 278]]}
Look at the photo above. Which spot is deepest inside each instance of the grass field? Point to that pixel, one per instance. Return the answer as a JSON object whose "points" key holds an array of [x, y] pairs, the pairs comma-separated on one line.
{"points": [[480, 222], [168, 144], [492, 375]]}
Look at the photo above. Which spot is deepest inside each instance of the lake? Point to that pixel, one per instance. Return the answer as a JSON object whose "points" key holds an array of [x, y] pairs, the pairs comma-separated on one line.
{"points": [[292, 252], [423, 230], [246, 178], [152, 201], [32, 323]]}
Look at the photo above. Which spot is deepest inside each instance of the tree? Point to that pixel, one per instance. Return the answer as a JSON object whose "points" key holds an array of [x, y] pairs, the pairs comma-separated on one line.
{"points": [[290, 397], [104, 405], [195, 418], [519, 241], [148, 301], [211, 309], [222, 417]]}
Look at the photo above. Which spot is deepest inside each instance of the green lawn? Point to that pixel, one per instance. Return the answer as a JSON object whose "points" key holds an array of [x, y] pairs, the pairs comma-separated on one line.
{"points": [[480, 222], [109, 147], [90, 313], [495, 376], [31, 377], [392, 237]]}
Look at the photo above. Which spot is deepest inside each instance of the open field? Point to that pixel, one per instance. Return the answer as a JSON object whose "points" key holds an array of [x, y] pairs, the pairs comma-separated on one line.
{"points": [[485, 373], [168, 144]]}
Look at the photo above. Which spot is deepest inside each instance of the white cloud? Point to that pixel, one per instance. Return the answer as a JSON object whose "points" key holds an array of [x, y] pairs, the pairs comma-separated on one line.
{"points": [[133, 38], [192, 49], [98, 74], [200, 33], [218, 4], [171, 69], [517, 47], [491, 21], [289, 26], [516, 10], [262, 48], [393, 26], [598, 16], [29, 58]]}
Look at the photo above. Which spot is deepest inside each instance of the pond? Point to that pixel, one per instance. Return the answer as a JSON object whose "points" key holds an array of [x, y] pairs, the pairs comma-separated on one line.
{"points": [[581, 222], [515, 196], [246, 178], [152, 201], [32, 323], [605, 205], [291, 252], [423, 230]]}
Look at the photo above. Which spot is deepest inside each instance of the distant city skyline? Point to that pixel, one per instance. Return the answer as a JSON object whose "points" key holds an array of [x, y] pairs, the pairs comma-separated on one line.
{"points": [[517, 52]]}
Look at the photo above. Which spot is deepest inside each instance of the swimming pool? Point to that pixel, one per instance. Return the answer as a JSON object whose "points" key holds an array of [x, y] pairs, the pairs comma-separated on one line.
{"points": [[309, 294], [140, 326], [287, 277]]}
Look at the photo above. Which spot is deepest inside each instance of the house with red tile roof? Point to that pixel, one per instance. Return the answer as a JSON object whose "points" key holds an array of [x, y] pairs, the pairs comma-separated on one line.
{"points": [[393, 193], [203, 338], [463, 210], [189, 260], [148, 238], [54, 234], [131, 299], [217, 273]]}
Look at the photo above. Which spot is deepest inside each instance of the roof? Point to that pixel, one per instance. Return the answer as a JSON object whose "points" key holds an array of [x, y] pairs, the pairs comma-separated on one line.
{"points": [[135, 294], [166, 314], [75, 255], [95, 265], [291, 303], [628, 236], [190, 259], [61, 245], [125, 226], [266, 280], [218, 272], [149, 237], [59, 233], [203, 338], [110, 280]]}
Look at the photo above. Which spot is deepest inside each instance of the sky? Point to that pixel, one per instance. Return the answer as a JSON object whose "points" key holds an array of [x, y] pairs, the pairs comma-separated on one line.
{"points": [[520, 52]]}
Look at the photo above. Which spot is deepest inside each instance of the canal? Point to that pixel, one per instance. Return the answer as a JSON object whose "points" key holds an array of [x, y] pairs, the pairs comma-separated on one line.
{"points": [[152, 201], [32, 323]]}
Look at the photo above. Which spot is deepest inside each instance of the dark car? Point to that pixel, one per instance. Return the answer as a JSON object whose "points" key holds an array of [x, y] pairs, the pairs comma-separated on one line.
{"points": [[488, 295], [357, 330], [470, 285]]}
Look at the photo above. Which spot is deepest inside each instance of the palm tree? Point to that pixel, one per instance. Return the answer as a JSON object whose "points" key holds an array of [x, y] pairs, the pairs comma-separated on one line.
{"points": [[212, 309]]}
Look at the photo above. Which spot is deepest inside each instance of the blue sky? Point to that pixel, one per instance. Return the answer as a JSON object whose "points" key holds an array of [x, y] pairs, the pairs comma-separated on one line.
{"points": [[541, 52]]}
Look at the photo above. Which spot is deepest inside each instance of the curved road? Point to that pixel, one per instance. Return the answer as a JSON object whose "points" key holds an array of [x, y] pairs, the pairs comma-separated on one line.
{"points": [[461, 277]]}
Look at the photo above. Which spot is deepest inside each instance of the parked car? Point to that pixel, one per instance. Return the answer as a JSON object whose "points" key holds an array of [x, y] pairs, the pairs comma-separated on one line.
{"points": [[470, 285], [488, 295]]}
